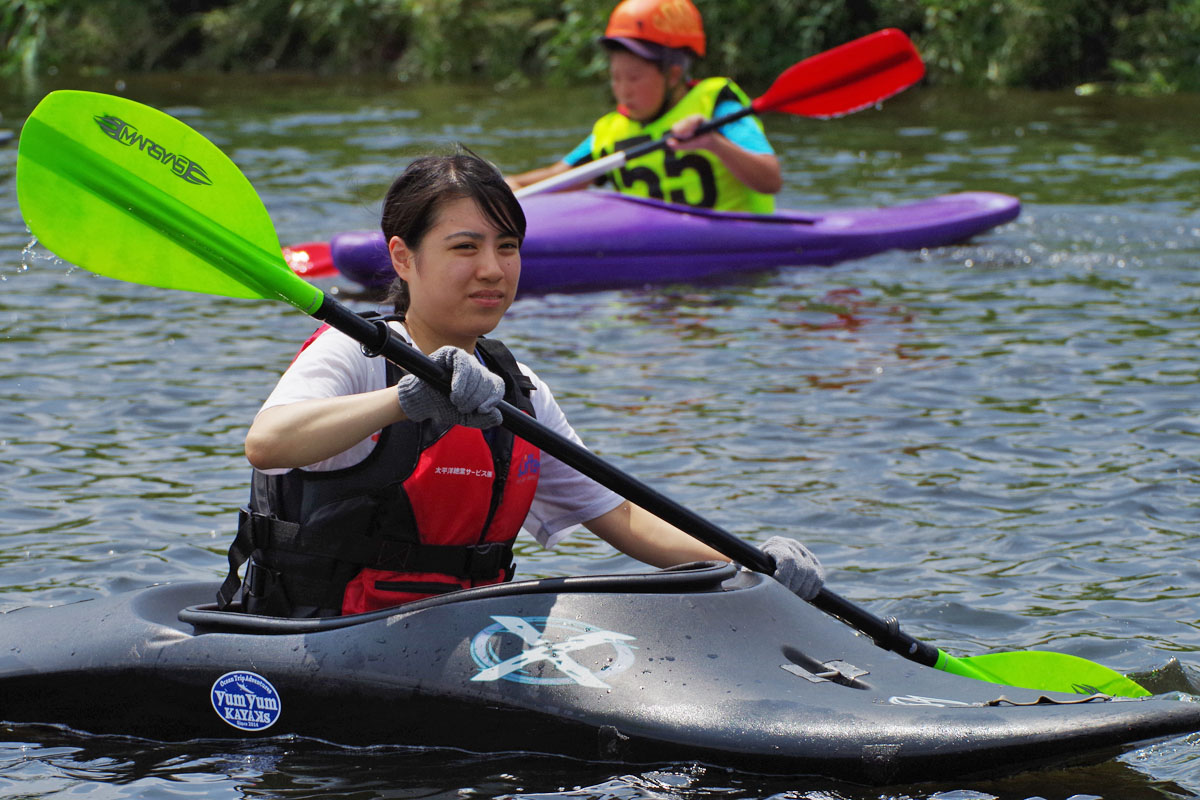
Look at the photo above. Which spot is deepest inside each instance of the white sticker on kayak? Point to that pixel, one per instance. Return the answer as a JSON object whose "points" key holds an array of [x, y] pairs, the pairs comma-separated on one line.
{"points": [[918, 700], [547, 641], [246, 701]]}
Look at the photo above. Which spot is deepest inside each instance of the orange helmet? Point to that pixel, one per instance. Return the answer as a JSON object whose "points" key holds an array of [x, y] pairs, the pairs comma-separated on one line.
{"points": [[670, 23]]}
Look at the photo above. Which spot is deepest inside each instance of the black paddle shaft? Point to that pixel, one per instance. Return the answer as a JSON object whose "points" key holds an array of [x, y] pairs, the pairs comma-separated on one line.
{"points": [[378, 340], [642, 149]]}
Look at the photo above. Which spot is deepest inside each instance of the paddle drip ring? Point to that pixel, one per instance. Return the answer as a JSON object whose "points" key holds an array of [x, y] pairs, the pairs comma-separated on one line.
{"points": [[376, 349]]}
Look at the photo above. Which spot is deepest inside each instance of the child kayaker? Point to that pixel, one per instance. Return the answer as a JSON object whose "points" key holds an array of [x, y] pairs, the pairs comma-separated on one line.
{"points": [[372, 489], [651, 44]]}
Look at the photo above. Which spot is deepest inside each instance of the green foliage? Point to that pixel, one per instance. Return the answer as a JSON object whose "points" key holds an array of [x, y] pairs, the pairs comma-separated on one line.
{"points": [[1132, 45], [1158, 50], [1129, 45], [970, 43], [108, 35], [458, 38], [509, 42], [23, 33], [757, 41], [568, 52], [306, 34]]}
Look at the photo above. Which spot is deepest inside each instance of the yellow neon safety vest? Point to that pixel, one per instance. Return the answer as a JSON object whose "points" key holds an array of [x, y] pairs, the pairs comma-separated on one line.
{"points": [[694, 177]]}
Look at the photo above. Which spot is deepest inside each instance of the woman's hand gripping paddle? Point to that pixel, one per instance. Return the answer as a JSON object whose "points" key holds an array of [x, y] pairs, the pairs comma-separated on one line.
{"points": [[850, 77], [126, 191]]}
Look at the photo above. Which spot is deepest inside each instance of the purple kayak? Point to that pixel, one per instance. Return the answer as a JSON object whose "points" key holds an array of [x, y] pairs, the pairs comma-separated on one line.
{"points": [[581, 241]]}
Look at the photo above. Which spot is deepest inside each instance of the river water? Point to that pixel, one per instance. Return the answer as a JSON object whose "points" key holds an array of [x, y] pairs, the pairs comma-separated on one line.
{"points": [[997, 441]]}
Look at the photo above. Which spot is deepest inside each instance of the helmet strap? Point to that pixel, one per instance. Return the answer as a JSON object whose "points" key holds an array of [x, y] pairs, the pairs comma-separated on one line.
{"points": [[671, 94]]}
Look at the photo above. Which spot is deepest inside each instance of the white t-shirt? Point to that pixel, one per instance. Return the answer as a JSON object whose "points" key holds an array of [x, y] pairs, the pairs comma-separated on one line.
{"points": [[334, 365]]}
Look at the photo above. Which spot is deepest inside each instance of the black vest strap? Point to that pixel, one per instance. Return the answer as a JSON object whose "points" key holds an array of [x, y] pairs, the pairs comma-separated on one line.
{"points": [[376, 552], [504, 361], [253, 533]]}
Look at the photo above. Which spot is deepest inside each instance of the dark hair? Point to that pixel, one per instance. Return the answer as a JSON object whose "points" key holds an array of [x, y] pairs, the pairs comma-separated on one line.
{"points": [[412, 203]]}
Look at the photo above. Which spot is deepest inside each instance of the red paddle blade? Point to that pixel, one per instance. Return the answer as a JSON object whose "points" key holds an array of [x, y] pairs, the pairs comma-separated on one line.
{"points": [[310, 260], [847, 78]]}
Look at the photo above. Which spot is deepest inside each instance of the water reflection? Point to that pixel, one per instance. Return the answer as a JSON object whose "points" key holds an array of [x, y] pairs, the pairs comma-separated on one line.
{"points": [[298, 769]]}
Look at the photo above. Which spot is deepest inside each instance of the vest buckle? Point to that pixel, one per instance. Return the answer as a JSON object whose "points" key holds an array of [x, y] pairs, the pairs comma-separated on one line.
{"points": [[487, 560]]}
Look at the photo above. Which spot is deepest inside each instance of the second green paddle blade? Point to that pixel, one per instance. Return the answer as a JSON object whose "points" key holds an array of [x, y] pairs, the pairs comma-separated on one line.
{"points": [[1050, 672]]}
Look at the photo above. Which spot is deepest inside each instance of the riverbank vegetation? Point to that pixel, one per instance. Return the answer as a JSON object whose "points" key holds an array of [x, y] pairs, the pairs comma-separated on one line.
{"points": [[1142, 46]]}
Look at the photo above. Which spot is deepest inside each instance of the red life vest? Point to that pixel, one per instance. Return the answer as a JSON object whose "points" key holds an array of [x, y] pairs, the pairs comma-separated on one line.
{"points": [[460, 494], [431, 509]]}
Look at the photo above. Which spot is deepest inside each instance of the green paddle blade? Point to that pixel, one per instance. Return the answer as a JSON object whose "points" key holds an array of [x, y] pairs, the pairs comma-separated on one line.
{"points": [[126, 191], [1042, 671]]}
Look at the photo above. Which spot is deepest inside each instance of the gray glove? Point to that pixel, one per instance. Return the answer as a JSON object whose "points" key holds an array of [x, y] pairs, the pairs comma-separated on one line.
{"points": [[795, 566], [474, 393]]}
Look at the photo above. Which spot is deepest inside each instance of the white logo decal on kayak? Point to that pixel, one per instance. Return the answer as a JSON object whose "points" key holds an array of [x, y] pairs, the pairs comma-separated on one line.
{"points": [[934, 702], [541, 652], [246, 701]]}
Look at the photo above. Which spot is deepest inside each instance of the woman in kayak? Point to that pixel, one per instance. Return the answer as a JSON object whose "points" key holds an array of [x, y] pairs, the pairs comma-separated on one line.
{"points": [[372, 488], [650, 45]]}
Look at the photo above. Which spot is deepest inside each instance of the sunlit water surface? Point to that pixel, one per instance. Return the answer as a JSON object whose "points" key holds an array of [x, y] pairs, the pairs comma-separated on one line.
{"points": [[996, 442]]}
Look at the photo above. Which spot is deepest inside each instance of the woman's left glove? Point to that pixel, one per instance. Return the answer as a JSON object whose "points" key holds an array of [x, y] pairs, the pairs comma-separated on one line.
{"points": [[474, 393], [795, 566]]}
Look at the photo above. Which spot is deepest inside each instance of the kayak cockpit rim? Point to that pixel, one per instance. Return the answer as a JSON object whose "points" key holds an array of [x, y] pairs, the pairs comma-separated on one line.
{"points": [[698, 576]]}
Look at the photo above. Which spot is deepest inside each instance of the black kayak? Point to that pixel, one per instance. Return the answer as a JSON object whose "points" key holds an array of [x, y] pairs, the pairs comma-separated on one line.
{"points": [[703, 663]]}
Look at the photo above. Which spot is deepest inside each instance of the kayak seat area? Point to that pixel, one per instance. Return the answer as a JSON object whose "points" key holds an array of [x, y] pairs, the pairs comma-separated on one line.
{"points": [[698, 576]]}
